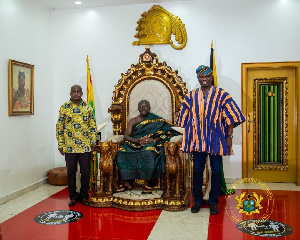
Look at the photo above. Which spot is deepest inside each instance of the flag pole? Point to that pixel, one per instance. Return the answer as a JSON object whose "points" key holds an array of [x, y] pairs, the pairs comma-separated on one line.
{"points": [[224, 189]]}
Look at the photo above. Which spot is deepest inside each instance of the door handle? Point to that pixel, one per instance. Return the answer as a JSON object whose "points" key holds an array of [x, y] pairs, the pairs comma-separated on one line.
{"points": [[249, 122]]}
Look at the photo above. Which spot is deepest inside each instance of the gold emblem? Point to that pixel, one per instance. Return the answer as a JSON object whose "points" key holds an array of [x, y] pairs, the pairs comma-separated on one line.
{"points": [[249, 205], [249, 202], [156, 27]]}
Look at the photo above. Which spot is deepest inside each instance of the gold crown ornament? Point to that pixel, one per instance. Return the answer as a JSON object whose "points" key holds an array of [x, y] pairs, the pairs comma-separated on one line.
{"points": [[156, 27]]}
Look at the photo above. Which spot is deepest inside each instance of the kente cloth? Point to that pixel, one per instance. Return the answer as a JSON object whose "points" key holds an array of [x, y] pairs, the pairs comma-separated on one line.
{"points": [[145, 162], [203, 70], [76, 127], [205, 119]]}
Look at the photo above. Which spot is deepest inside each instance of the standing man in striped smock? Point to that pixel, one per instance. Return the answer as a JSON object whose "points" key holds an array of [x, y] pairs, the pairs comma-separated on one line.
{"points": [[208, 115]]}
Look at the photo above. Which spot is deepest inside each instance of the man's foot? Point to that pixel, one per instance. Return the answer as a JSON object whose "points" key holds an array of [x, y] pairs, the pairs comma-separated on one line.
{"points": [[72, 203], [213, 209], [85, 202], [147, 190], [123, 188], [196, 207]]}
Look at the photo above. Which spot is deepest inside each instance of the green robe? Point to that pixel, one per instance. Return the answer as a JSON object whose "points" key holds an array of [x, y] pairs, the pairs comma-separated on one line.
{"points": [[145, 162]]}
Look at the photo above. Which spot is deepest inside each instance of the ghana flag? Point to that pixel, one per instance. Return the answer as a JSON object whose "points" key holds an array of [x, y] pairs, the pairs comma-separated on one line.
{"points": [[91, 102], [89, 89]]}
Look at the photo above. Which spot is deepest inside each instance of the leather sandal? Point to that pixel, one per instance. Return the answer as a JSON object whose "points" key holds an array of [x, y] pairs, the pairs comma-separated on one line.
{"points": [[123, 188], [147, 190]]}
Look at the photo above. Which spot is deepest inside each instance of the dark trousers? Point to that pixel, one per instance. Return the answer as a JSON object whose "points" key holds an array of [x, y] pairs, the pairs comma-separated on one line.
{"points": [[84, 163], [216, 177]]}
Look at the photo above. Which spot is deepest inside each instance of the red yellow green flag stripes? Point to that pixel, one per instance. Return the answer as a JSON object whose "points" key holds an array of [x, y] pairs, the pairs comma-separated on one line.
{"points": [[91, 102], [89, 89]]}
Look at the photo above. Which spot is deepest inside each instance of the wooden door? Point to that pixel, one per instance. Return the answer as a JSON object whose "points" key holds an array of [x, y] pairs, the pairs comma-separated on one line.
{"points": [[270, 102]]}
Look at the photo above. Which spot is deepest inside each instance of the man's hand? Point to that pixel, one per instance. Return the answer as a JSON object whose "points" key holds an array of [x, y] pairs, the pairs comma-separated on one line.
{"points": [[61, 150], [229, 142], [142, 141], [229, 133]]}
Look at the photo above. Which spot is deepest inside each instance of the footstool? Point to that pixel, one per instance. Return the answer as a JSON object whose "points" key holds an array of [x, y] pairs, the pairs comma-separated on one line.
{"points": [[58, 176]]}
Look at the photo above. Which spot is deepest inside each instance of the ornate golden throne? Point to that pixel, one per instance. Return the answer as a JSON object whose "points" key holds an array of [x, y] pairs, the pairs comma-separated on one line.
{"points": [[156, 82]]}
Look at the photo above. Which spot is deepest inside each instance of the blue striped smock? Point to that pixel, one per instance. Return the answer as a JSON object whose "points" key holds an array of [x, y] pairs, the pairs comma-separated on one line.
{"points": [[205, 119]]}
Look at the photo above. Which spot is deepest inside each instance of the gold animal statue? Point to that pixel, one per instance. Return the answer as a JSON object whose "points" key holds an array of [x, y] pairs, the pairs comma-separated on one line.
{"points": [[172, 169], [106, 166]]}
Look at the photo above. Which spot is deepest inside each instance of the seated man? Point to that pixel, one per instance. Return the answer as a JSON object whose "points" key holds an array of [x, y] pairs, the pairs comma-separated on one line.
{"points": [[141, 155]]}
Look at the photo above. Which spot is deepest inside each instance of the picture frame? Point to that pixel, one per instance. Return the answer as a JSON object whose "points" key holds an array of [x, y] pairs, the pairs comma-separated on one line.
{"points": [[20, 88]]}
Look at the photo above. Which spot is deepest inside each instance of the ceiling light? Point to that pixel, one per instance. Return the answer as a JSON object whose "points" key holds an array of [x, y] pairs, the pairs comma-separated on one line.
{"points": [[78, 2]]}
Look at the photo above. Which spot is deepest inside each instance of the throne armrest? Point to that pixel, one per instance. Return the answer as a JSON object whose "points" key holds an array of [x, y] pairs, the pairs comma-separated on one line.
{"points": [[115, 138], [119, 138], [179, 129], [178, 138], [175, 139]]}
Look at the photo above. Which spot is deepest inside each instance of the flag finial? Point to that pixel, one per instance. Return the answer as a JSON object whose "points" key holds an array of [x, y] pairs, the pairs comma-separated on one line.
{"points": [[87, 58], [212, 44]]}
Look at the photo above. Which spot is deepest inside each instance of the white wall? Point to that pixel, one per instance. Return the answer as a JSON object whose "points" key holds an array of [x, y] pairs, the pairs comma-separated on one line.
{"points": [[242, 31], [26, 143]]}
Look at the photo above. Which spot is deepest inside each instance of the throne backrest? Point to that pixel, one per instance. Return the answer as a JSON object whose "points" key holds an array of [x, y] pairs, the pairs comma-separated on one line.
{"points": [[156, 93], [151, 80]]}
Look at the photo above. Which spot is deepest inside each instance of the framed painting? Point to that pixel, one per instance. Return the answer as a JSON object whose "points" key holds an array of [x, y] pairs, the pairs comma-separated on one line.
{"points": [[20, 88]]}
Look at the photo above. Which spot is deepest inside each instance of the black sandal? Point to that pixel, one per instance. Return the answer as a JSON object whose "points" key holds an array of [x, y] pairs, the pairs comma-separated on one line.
{"points": [[147, 190]]}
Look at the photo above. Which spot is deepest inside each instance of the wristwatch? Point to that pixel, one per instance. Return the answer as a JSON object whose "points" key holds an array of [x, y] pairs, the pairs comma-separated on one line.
{"points": [[231, 136]]}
